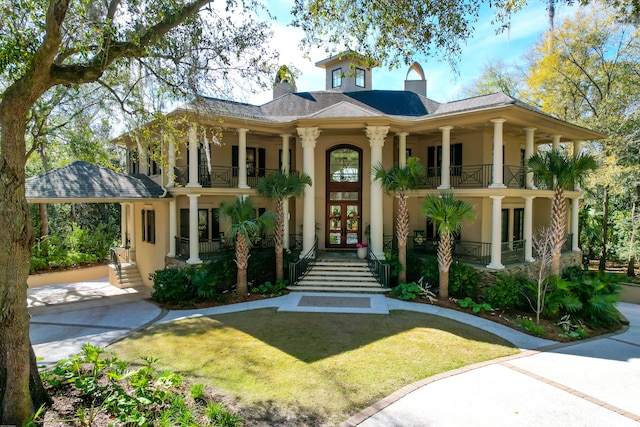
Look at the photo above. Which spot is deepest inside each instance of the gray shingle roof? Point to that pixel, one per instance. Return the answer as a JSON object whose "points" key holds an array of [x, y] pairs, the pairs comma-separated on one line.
{"points": [[82, 180], [400, 104]]}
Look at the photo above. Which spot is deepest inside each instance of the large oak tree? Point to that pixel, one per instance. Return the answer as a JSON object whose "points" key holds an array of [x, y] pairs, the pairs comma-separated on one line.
{"points": [[170, 45]]}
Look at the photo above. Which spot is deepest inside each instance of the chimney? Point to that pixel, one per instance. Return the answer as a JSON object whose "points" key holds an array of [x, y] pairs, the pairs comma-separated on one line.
{"points": [[284, 82], [416, 86]]}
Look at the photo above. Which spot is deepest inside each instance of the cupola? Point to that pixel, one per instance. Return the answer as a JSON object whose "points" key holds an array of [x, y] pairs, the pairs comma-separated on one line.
{"points": [[346, 72]]}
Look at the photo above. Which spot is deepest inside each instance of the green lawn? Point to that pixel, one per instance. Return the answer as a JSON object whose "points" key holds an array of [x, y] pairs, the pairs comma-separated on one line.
{"points": [[312, 368]]}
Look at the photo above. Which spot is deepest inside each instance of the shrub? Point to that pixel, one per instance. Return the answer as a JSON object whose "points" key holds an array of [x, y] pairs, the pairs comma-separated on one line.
{"points": [[430, 271], [464, 281], [474, 306], [507, 291], [528, 325], [406, 291], [173, 285], [267, 288]]}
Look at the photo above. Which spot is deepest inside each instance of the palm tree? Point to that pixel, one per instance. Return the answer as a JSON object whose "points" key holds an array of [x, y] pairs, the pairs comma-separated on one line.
{"points": [[245, 227], [400, 180], [279, 186], [447, 215], [560, 172]]}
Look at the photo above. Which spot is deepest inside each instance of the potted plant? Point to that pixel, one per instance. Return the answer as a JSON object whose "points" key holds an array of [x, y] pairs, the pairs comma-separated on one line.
{"points": [[362, 249]]}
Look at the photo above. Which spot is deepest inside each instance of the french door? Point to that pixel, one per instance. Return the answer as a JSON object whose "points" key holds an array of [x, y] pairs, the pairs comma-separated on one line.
{"points": [[343, 199]]}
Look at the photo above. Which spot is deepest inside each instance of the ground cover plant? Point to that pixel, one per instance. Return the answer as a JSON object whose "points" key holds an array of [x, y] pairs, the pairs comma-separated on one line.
{"points": [[311, 368]]}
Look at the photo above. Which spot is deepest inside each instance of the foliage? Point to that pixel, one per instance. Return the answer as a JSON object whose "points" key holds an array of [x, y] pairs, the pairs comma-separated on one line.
{"points": [[476, 307], [76, 247], [399, 180], [598, 293], [429, 270], [406, 291], [528, 324], [173, 285], [131, 396], [464, 280], [571, 329], [447, 214], [268, 288], [496, 76], [220, 416], [506, 292]]}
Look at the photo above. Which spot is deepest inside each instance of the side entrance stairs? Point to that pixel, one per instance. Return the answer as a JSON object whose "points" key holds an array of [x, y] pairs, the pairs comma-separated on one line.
{"points": [[129, 276], [339, 275]]}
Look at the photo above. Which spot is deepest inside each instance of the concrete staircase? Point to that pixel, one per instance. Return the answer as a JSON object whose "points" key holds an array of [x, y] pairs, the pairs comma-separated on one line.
{"points": [[130, 276], [339, 275]]}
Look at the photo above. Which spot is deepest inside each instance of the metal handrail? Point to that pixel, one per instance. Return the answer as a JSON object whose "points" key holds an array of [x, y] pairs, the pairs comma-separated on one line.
{"points": [[115, 259], [300, 268], [380, 270]]}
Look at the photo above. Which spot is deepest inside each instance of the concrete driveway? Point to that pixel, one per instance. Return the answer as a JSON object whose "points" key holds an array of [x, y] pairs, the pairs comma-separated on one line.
{"points": [[591, 383]]}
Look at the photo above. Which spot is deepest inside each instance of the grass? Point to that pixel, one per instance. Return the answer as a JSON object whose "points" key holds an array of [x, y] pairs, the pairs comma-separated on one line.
{"points": [[312, 368]]}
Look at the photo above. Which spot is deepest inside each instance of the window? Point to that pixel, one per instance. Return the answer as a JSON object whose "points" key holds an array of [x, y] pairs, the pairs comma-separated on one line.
{"points": [[360, 81], [434, 159], [184, 223], [518, 224], [149, 226], [215, 223], [505, 225], [203, 224], [134, 165], [336, 78], [255, 164]]}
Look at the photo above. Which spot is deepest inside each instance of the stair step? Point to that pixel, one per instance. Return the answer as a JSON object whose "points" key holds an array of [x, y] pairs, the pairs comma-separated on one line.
{"points": [[344, 289], [340, 273], [314, 281], [340, 268]]}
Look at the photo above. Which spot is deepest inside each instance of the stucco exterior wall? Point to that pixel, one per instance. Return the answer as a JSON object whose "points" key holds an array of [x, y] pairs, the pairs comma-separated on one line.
{"points": [[150, 256]]}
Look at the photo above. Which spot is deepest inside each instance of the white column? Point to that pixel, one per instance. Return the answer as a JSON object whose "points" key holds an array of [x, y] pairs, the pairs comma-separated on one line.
{"points": [[173, 227], [131, 227], [171, 163], [575, 204], [285, 169], [123, 224], [528, 228], [497, 154], [193, 158], [446, 158], [555, 140], [496, 234], [402, 149], [528, 152], [577, 150], [194, 239], [242, 158], [308, 137], [376, 135]]}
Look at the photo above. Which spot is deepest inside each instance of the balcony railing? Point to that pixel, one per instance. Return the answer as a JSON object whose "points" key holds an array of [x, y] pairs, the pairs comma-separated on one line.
{"points": [[221, 176], [474, 176], [210, 248]]}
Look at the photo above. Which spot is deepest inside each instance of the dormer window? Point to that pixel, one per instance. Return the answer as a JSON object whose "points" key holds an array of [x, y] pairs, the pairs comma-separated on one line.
{"points": [[360, 82], [336, 78]]}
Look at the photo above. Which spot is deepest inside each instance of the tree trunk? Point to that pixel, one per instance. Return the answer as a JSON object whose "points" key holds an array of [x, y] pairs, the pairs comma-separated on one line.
{"points": [[279, 239], [444, 263], [403, 231], [605, 221], [558, 227], [44, 220], [17, 367], [242, 261], [631, 268]]}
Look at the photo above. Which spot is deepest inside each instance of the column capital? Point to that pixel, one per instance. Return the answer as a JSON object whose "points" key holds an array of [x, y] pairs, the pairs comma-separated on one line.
{"points": [[376, 135], [526, 197], [530, 129], [285, 135], [496, 197], [445, 128], [498, 121], [308, 136], [193, 196], [242, 130], [555, 137], [402, 133]]}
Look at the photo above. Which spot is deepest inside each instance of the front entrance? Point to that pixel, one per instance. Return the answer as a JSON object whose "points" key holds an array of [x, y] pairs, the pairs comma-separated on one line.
{"points": [[344, 197]]}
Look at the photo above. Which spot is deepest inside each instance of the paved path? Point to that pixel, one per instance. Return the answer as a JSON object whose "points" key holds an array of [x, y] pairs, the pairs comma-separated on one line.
{"points": [[592, 383]]}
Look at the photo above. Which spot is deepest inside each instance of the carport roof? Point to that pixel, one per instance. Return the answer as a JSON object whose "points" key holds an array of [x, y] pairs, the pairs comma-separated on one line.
{"points": [[84, 182]]}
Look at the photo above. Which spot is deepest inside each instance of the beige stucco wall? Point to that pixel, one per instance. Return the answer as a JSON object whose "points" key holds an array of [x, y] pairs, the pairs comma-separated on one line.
{"points": [[68, 276], [150, 256]]}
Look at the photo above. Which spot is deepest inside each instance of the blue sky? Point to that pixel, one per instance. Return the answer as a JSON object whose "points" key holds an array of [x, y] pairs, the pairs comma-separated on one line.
{"points": [[442, 84]]}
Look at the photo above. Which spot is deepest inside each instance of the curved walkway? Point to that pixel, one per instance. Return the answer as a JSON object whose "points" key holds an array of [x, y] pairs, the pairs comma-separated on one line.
{"points": [[590, 383]]}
